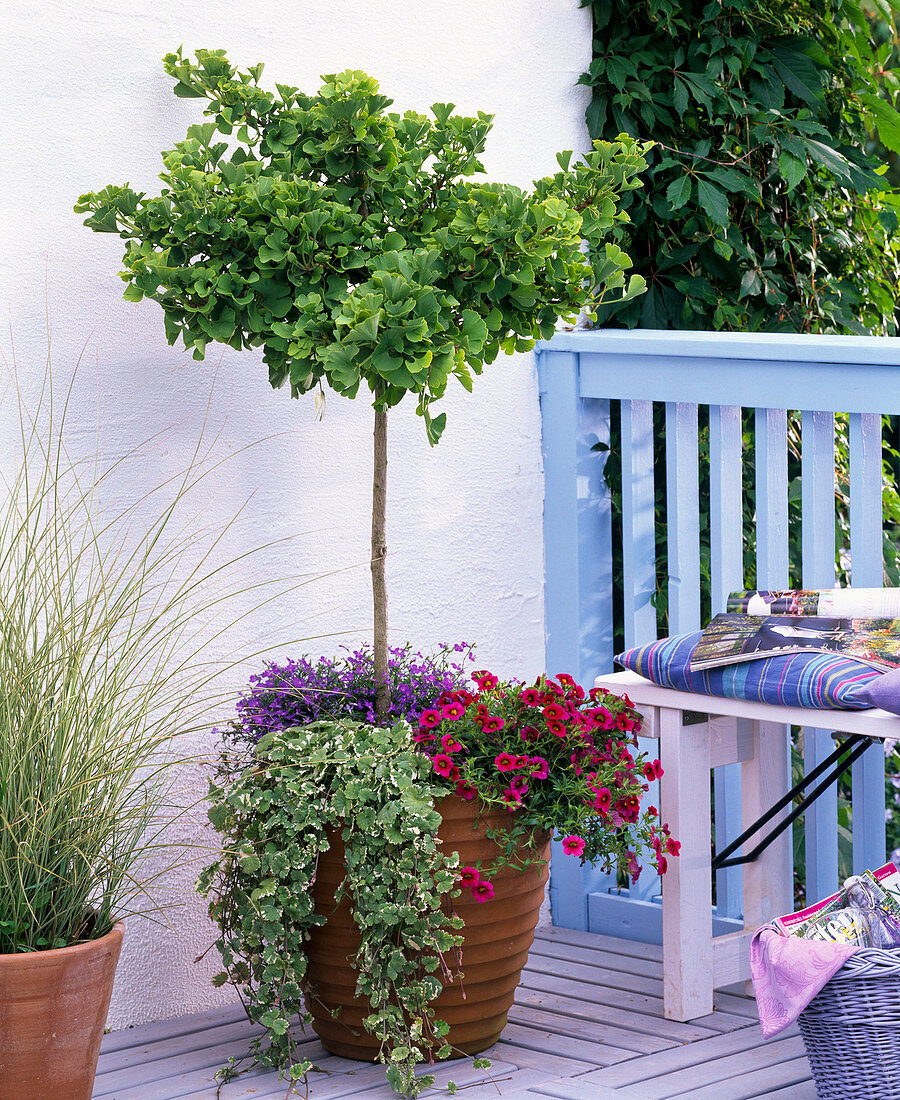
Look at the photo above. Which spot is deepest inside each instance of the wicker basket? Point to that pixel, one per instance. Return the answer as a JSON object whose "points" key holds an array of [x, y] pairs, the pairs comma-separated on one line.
{"points": [[851, 1029]]}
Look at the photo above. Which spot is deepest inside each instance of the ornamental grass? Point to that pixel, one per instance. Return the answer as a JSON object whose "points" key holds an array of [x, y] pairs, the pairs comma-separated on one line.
{"points": [[106, 610]]}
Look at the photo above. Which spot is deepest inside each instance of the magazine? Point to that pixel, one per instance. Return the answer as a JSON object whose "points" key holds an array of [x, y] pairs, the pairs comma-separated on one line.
{"points": [[847, 916], [731, 638], [838, 603]]}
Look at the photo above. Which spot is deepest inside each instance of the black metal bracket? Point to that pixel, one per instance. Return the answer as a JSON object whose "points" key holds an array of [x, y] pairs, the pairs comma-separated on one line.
{"points": [[839, 761]]}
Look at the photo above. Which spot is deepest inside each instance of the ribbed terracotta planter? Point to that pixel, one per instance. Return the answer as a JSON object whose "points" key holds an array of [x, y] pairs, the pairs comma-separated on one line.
{"points": [[496, 940], [53, 1007]]}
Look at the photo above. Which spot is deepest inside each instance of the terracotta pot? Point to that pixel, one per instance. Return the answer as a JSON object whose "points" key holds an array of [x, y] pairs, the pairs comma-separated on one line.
{"points": [[496, 939], [53, 1007]]}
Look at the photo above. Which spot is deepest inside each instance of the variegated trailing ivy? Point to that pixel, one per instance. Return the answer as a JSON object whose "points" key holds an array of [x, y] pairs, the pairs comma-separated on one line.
{"points": [[762, 209], [369, 784]]}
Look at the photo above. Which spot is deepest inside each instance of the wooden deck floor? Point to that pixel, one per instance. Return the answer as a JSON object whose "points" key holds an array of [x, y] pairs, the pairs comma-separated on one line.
{"points": [[587, 1025]]}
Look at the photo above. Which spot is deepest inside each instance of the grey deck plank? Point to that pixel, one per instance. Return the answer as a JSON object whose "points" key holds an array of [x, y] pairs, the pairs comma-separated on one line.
{"points": [[731, 1010], [805, 1090], [369, 1081], [142, 1053], [625, 1002], [614, 960], [176, 1025], [653, 1083], [757, 1083], [590, 1053], [181, 1074], [637, 1022], [630, 948], [615, 954], [555, 1042], [554, 1065], [587, 1024], [501, 1085], [592, 1030], [574, 1090], [710, 1052], [584, 970]]}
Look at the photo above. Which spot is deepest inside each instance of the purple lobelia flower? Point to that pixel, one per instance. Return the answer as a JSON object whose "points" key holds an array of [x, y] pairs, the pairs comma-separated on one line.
{"points": [[307, 689]]}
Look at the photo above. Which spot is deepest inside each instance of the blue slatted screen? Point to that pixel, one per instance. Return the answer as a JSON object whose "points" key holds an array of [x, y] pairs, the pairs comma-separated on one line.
{"points": [[721, 374]]}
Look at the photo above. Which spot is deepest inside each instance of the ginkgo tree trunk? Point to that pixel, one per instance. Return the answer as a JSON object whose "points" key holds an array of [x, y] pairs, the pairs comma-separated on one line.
{"points": [[353, 246]]}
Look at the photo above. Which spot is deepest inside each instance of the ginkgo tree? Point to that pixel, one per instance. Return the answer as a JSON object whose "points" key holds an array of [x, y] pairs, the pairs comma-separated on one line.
{"points": [[351, 245]]}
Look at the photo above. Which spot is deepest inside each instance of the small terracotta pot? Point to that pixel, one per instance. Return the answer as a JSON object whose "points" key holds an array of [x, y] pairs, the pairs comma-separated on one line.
{"points": [[53, 1007], [496, 939]]}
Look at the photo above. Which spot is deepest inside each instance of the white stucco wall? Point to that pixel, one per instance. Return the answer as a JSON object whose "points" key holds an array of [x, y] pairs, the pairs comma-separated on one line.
{"points": [[86, 103]]}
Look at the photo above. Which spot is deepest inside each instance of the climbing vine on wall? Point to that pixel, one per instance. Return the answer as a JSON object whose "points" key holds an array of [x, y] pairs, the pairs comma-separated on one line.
{"points": [[762, 207]]}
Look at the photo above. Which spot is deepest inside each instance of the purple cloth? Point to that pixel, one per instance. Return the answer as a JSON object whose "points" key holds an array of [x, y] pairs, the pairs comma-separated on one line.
{"points": [[788, 972]]}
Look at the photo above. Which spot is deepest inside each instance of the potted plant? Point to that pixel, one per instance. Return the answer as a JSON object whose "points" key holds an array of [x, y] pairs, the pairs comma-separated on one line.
{"points": [[351, 245], [384, 882], [101, 628]]}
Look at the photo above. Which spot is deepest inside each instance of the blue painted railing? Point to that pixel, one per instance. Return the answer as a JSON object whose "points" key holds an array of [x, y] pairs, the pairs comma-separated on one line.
{"points": [[581, 374]]}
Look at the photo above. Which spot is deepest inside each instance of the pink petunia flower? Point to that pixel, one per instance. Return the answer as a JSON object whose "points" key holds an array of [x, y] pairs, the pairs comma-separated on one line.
{"points": [[602, 800], [453, 711], [466, 791], [468, 877], [492, 724], [529, 733], [449, 743], [653, 770], [539, 767], [424, 738], [429, 719], [505, 762], [482, 890], [512, 798], [554, 710], [485, 680], [628, 808], [557, 728], [531, 697], [573, 845], [673, 847], [443, 764], [519, 783], [634, 868]]}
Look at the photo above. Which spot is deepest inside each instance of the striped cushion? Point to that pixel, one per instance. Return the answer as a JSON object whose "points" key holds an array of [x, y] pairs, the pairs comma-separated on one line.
{"points": [[791, 680]]}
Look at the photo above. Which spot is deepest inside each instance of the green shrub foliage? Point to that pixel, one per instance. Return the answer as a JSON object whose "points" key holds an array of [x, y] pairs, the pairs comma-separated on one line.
{"points": [[349, 243], [762, 208]]}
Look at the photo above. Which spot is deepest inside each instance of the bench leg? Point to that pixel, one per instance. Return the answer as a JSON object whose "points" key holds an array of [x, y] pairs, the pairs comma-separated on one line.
{"points": [[687, 885], [768, 880]]}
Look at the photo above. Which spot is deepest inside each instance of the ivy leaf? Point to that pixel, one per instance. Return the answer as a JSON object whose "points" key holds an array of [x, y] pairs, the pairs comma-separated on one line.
{"points": [[887, 119], [679, 191], [799, 74], [714, 201], [829, 158], [792, 168], [680, 96]]}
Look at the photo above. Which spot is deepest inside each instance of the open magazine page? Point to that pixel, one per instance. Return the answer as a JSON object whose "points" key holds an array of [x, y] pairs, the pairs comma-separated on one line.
{"points": [[837, 603], [732, 638]]}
